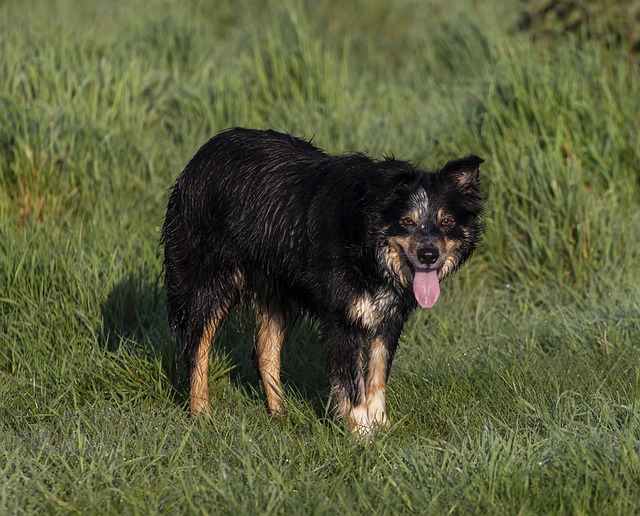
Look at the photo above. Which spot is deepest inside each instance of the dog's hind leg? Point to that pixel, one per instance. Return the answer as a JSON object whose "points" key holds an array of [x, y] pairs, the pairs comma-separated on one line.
{"points": [[199, 371], [211, 307], [272, 325]]}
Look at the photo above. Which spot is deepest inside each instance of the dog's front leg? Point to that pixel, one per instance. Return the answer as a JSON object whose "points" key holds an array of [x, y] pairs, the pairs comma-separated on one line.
{"points": [[344, 350], [380, 357]]}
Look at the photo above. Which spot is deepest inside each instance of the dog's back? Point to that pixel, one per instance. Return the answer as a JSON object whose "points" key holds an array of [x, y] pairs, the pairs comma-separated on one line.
{"points": [[273, 205]]}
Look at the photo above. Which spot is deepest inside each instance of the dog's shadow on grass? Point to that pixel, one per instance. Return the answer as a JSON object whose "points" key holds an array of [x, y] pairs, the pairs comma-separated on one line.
{"points": [[134, 320]]}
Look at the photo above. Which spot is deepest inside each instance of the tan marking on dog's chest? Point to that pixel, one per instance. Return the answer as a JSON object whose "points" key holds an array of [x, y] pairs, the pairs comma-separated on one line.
{"points": [[370, 310], [364, 311]]}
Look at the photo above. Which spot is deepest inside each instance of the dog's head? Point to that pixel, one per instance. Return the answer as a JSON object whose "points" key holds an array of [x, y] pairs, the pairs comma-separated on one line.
{"points": [[433, 225]]}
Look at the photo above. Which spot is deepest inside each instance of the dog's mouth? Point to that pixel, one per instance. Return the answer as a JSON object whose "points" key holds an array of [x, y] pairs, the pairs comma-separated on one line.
{"points": [[426, 283], [426, 286]]}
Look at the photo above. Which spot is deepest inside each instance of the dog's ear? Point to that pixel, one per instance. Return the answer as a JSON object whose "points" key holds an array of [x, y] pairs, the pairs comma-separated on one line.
{"points": [[400, 179], [464, 173]]}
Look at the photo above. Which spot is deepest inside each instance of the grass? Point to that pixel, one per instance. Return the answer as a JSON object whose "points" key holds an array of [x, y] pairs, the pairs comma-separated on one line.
{"points": [[517, 393]]}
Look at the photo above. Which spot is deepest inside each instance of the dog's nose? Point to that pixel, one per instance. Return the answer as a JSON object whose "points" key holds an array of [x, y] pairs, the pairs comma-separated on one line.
{"points": [[428, 255]]}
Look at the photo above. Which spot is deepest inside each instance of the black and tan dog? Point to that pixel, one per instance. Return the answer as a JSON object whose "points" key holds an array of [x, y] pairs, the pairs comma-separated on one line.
{"points": [[355, 243]]}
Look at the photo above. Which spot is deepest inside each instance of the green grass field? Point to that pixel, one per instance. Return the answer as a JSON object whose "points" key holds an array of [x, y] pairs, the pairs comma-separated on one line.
{"points": [[517, 394]]}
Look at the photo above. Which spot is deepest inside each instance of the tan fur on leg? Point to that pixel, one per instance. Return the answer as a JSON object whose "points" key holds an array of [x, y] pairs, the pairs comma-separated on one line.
{"points": [[377, 384], [355, 415], [271, 331], [358, 419], [199, 396]]}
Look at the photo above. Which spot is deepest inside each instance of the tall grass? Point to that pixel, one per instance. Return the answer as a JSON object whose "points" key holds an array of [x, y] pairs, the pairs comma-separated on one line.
{"points": [[517, 393]]}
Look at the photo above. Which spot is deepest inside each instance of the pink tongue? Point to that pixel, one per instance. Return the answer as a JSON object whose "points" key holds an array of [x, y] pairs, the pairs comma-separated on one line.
{"points": [[426, 287]]}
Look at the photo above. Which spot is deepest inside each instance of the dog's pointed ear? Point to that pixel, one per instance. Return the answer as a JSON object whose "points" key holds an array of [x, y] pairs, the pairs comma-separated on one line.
{"points": [[464, 173], [397, 184]]}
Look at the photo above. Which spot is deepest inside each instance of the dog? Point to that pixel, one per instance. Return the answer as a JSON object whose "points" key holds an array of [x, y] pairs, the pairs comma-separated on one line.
{"points": [[356, 243]]}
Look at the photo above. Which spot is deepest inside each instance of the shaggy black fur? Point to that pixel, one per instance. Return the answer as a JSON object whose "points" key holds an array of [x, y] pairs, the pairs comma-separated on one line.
{"points": [[264, 216]]}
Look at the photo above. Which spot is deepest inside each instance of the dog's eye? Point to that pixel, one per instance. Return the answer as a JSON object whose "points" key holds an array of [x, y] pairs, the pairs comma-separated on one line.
{"points": [[447, 222], [407, 221]]}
